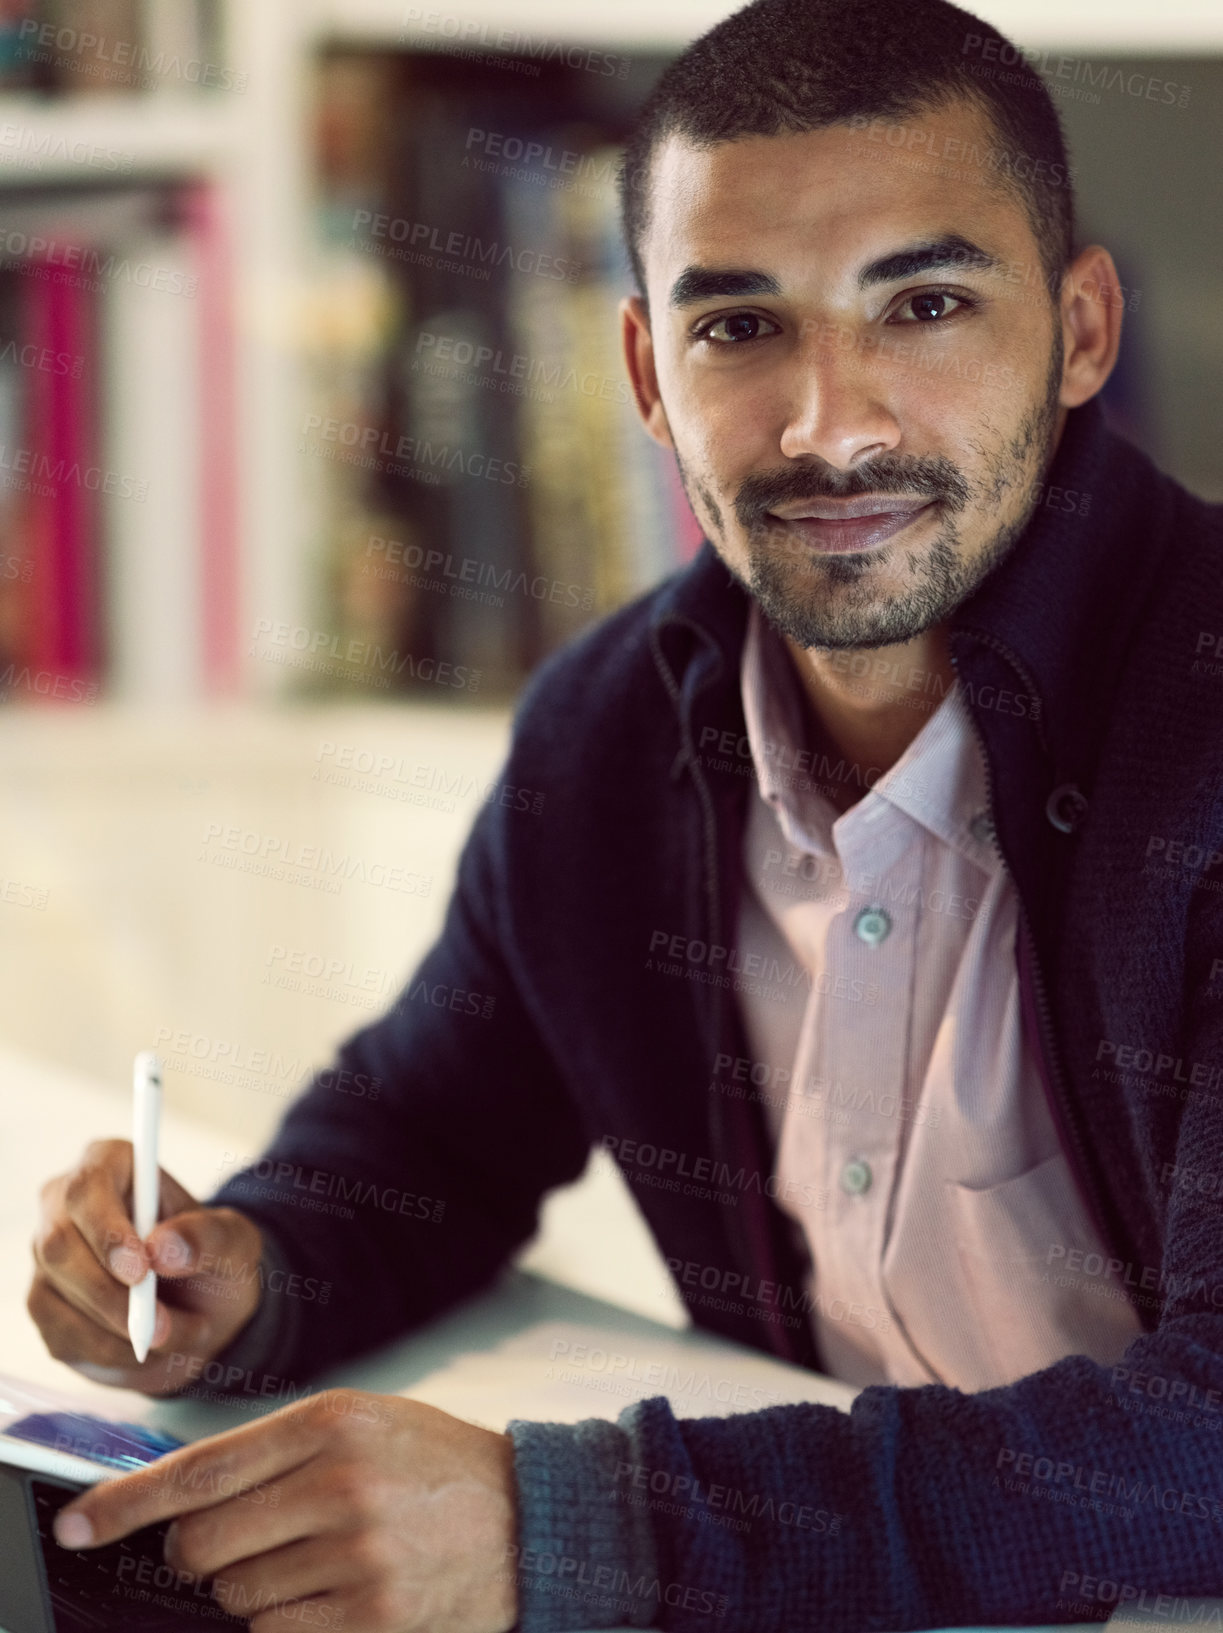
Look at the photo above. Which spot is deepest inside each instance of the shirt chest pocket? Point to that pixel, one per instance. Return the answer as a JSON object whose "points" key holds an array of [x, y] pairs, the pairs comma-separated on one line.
{"points": [[1035, 1277]]}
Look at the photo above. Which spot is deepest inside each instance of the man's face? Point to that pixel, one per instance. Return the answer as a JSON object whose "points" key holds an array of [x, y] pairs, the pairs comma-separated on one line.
{"points": [[858, 362]]}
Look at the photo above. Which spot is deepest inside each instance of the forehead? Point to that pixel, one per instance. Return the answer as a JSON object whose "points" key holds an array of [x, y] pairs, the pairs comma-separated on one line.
{"points": [[832, 195]]}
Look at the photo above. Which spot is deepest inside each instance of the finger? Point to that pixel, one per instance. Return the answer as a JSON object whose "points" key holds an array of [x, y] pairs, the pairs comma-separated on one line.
{"points": [[219, 1243], [330, 1507], [328, 1610], [247, 1586], [63, 1257], [95, 1198], [358, 1610], [76, 1338], [169, 1253], [77, 1341], [199, 1476]]}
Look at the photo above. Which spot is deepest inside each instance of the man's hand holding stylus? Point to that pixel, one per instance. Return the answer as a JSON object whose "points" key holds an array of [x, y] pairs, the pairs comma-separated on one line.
{"points": [[87, 1255]]}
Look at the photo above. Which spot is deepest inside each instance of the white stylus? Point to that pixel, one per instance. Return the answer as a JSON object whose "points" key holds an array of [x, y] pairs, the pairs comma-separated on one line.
{"points": [[146, 1118]]}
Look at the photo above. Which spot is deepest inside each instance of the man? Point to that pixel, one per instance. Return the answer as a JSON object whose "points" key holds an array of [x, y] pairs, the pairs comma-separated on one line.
{"points": [[872, 921]]}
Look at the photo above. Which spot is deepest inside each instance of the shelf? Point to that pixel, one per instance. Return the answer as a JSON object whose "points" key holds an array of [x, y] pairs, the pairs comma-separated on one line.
{"points": [[96, 139], [630, 24], [1191, 27]]}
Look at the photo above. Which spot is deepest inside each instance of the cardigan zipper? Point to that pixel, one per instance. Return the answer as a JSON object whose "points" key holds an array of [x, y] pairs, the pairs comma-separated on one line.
{"points": [[1048, 1060], [773, 1336], [754, 1244]]}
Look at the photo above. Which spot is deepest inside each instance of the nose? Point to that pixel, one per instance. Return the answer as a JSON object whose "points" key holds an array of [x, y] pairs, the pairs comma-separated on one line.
{"points": [[837, 405]]}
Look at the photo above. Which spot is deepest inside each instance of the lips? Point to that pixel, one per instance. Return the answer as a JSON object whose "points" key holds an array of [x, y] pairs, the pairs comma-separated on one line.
{"points": [[832, 525], [843, 510]]}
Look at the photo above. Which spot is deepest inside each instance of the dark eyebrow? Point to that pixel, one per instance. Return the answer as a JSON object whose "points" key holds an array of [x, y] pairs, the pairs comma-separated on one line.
{"points": [[698, 283], [949, 251]]}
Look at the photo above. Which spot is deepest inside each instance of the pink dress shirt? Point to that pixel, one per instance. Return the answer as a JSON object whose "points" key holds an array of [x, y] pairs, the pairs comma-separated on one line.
{"points": [[915, 1150]]}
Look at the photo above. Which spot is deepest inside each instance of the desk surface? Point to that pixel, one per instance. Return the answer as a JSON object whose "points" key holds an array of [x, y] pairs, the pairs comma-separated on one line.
{"points": [[50, 1115], [528, 1348]]}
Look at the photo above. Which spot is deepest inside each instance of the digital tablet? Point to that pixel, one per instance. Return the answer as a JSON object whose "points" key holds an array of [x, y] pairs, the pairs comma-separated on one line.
{"points": [[49, 1452]]}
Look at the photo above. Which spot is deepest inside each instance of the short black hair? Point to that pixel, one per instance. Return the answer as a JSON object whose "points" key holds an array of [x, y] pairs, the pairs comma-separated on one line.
{"points": [[778, 67]]}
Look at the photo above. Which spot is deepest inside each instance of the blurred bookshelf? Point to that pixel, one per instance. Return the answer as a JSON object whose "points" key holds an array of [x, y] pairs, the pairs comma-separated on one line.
{"points": [[245, 453], [484, 487], [310, 383], [147, 192]]}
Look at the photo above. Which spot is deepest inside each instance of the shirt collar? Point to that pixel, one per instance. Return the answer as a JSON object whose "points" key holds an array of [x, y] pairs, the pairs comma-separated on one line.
{"points": [[939, 780]]}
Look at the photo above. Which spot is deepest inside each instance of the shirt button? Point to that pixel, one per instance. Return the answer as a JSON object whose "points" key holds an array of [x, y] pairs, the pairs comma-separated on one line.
{"points": [[872, 925], [856, 1176], [982, 827]]}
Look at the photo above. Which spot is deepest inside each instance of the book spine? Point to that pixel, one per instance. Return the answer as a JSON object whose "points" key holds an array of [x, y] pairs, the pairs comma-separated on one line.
{"points": [[154, 510], [16, 563], [218, 565], [62, 479]]}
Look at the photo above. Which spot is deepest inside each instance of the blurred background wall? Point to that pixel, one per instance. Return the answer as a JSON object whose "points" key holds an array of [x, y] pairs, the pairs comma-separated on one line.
{"points": [[314, 439]]}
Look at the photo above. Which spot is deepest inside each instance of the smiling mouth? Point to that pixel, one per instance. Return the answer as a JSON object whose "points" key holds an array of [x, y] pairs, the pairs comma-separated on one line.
{"points": [[830, 526]]}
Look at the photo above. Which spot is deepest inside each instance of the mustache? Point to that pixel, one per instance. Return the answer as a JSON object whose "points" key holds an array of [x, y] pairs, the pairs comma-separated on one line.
{"points": [[931, 475]]}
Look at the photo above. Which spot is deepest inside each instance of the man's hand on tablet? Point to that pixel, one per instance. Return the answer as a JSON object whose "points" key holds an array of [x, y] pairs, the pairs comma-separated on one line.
{"points": [[87, 1256], [369, 1513]]}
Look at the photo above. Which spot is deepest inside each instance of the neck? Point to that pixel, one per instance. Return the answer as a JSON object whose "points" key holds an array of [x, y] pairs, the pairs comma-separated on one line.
{"points": [[871, 703]]}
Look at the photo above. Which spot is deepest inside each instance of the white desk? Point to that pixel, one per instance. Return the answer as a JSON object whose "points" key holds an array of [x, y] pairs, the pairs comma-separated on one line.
{"points": [[496, 1357]]}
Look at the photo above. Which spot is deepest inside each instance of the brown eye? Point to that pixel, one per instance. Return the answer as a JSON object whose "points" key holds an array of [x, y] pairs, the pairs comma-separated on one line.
{"points": [[740, 326], [930, 308]]}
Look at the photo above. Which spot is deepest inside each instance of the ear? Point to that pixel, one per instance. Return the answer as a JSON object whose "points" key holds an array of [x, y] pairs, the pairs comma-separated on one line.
{"points": [[639, 360], [1092, 301]]}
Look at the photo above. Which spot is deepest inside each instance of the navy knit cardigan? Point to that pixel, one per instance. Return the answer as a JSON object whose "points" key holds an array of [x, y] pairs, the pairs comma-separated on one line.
{"points": [[583, 987]]}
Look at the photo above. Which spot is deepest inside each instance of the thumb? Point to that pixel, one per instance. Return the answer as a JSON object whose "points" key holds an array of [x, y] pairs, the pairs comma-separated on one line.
{"points": [[218, 1242]]}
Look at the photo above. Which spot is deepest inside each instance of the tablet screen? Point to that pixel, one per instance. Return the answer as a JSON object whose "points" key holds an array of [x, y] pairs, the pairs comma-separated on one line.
{"points": [[124, 1446], [50, 1451]]}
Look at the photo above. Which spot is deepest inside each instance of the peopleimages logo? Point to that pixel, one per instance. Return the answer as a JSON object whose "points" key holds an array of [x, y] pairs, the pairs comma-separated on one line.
{"points": [[711, 1494], [43, 257], [1097, 1590], [42, 357], [280, 1179], [374, 448], [641, 1154], [1089, 77], [626, 1590], [539, 162], [35, 144], [355, 659], [469, 32], [463, 575], [40, 468], [991, 157], [272, 856], [1128, 1486], [514, 368], [453, 248], [113, 58]]}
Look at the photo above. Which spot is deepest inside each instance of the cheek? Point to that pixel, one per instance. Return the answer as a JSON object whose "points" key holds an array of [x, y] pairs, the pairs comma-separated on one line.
{"points": [[968, 411], [724, 439], [709, 407], [946, 385]]}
